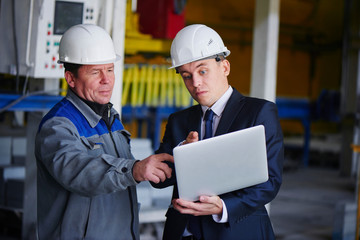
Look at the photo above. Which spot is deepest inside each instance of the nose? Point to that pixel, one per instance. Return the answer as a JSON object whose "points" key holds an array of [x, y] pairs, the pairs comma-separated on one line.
{"points": [[105, 78], [196, 81]]}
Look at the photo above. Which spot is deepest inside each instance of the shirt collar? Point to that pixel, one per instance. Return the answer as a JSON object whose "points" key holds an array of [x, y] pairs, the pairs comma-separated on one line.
{"points": [[90, 115]]}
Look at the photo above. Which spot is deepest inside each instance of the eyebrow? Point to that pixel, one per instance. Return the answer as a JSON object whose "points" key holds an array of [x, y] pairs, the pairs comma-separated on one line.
{"points": [[201, 65], [100, 68], [196, 67]]}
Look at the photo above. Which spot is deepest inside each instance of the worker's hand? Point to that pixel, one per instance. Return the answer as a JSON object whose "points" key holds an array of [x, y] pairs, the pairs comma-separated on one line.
{"points": [[153, 168], [192, 137], [206, 206]]}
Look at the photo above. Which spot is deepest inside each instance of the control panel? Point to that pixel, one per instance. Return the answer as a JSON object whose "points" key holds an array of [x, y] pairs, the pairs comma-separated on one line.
{"points": [[37, 31]]}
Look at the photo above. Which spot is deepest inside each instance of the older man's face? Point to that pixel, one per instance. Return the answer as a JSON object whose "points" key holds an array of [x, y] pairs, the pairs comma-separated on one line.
{"points": [[93, 82]]}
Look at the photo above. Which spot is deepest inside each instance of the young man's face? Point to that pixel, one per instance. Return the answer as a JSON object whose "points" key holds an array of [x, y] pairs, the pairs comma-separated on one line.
{"points": [[93, 82], [206, 80]]}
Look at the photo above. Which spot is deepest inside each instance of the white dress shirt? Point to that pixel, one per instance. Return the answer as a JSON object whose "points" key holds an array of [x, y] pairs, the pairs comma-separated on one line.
{"points": [[218, 109]]}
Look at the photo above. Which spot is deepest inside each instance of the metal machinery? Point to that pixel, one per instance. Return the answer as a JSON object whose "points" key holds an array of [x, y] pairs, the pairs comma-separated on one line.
{"points": [[32, 30]]}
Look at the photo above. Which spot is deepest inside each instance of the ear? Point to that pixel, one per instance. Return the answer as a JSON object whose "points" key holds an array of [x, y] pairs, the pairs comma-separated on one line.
{"points": [[70, 79], [226, 67]]}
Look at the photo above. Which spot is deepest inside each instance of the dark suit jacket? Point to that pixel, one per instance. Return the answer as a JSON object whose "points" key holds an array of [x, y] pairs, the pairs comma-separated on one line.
{"points": [[247, 216]]}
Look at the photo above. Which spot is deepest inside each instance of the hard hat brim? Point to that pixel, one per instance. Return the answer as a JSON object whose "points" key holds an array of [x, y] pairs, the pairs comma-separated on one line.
{"points": [[117, 58], [225, 54]]}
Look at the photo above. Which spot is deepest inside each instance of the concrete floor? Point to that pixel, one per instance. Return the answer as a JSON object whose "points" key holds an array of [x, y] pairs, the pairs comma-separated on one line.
{"points": [[308, 202]]}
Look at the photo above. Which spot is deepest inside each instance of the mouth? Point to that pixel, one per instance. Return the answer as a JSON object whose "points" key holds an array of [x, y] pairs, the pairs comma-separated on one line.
{"points": [[105, 92], [199, 93]]}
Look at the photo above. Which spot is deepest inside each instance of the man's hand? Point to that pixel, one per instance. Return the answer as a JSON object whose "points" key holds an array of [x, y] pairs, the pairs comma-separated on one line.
{"points": [[206, 206], [153, 168], [192, 137]]}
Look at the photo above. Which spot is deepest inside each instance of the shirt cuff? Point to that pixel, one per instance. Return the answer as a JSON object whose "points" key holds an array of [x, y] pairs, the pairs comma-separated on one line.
{"points": [[224, 217], [181, 143]]}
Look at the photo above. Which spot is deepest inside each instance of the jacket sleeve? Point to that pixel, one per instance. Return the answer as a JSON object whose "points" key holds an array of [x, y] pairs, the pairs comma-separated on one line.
{"points": [[179, 125], [78, 165], [166, 146], [244, 202]]}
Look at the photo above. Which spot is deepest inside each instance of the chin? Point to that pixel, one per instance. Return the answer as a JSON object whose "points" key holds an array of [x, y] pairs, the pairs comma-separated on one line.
{"points": [[203, 103], [103, 101]]}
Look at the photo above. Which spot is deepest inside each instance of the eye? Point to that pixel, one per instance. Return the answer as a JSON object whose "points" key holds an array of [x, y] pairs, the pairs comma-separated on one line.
{"points": [[202, 72], [186, 76]]}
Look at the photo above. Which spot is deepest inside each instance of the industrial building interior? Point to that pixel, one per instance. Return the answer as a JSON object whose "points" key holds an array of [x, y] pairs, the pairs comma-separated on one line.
{"points": [[317, 79]]}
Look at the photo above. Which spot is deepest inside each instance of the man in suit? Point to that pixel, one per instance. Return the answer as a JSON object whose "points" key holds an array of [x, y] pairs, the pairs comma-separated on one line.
{"points": [[199, 56]]}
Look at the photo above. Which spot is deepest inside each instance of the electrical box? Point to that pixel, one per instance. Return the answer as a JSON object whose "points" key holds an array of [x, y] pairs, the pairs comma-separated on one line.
{"points": [[161, 18], [31, 31]]}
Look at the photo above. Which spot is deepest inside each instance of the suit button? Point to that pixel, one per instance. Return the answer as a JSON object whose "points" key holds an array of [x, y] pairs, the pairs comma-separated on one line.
{"points": [[124, 169]]}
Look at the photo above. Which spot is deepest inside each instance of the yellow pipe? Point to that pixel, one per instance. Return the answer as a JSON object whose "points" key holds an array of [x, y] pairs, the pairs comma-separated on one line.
{"points": [[141, 97], [149, 85], [156, 81], [163, 86], [178, 91], [134, 87], [170, 87], [126, 85]]}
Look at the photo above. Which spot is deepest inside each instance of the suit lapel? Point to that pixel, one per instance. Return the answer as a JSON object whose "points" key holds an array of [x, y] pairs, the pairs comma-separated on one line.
{"points": [[194, 119], [231, 110]]}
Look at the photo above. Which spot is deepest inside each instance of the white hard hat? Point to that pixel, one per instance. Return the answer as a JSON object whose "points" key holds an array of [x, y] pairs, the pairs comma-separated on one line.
{"points": [[196, 42], [87, 44]]}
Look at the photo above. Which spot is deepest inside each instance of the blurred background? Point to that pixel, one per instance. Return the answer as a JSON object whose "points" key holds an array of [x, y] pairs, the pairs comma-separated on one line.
{"points": [[301, 54]]}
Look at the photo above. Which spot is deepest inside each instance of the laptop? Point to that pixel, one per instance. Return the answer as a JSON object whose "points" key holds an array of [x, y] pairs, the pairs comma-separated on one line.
{"points": [[221, 164]]}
